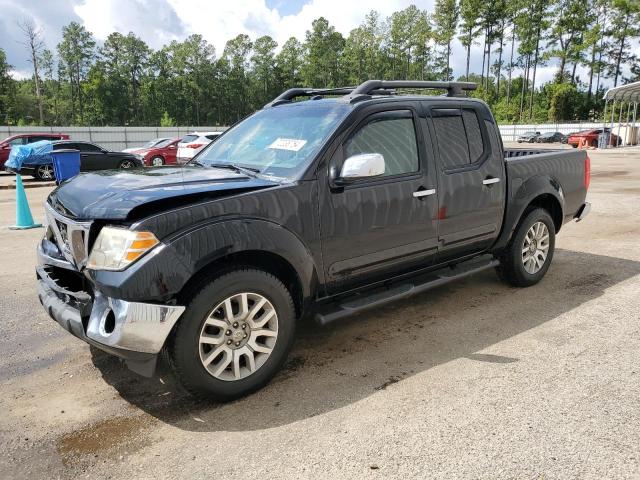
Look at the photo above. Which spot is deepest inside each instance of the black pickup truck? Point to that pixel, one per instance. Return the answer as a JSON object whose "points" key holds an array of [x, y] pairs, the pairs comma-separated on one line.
{"points": [[315, 208]]}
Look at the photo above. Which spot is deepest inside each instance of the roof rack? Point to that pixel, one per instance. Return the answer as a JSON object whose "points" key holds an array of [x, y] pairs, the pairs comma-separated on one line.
{"points": [[372, 87], [292, 93], [454, 89]]}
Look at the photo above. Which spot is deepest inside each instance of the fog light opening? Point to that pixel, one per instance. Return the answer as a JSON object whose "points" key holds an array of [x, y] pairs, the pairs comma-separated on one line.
{"points": [[109, 323]]}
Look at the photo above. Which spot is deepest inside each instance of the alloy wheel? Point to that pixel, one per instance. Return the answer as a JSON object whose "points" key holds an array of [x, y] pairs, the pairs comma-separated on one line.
{"points": [[238, 336], [535, 248], [45, 172]]}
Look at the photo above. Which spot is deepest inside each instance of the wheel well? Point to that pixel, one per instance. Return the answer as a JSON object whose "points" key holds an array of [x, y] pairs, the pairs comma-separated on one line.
{"points": [[267, 261], [550, 204]]}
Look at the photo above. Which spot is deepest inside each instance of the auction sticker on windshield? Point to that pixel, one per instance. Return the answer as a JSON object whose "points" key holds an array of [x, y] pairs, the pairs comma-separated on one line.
{"points": [[292, 144]]}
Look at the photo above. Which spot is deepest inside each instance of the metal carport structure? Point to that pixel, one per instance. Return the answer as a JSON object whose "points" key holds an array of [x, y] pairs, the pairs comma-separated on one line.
{"points": [[625, 95]]}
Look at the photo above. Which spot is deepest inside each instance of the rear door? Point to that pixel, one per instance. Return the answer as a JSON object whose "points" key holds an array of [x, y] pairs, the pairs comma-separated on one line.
{"points": [[383, 225], [471, 179], [91, 157]]}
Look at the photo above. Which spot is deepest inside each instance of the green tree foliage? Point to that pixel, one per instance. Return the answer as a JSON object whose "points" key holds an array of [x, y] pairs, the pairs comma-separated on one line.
{"points": [[445, 19], [123, 81], [324, 47], [76, 52], [624, 27]]}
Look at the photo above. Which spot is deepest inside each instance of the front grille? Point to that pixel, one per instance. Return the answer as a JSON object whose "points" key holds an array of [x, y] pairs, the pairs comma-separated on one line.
{"points": [[70, 236]]}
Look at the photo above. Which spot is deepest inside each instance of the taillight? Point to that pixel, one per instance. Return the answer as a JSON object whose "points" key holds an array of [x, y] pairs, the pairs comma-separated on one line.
{"points": [[587, 172], [195, 145]]}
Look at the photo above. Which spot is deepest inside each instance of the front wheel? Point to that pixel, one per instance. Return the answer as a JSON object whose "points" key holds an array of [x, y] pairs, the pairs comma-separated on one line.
{"points": [[157, 161], [528, 256], [126, 164], [234, 335], [44, 173]]}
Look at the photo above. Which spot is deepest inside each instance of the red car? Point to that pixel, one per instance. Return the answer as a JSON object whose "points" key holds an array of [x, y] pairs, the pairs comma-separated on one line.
{"points": [[591, 137], [163, 153], [23, 139]]}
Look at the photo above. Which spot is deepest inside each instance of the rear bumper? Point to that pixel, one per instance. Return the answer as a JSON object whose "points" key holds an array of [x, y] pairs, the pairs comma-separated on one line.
{"points": [[132, 331], [583, 211]]}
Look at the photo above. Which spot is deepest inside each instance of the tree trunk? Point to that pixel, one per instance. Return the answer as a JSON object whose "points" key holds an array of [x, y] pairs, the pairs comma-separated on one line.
{"points": [[448, 58], [488, 60], [525, 81], [535, 66], [513, 41], [468, 55], [619, 59], [500, 61], [484, 55]]}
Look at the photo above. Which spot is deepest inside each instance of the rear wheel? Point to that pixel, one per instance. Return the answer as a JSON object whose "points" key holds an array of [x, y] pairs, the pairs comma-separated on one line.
{"points": [[528, 256], [44, 173], [234, 335]]}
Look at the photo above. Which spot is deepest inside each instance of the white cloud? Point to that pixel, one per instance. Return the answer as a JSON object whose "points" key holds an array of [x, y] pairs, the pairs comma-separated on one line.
{"points": [[155, 22]]}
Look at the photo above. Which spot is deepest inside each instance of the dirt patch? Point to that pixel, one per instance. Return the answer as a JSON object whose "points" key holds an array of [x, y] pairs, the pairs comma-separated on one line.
{"points": [[105, 438]]}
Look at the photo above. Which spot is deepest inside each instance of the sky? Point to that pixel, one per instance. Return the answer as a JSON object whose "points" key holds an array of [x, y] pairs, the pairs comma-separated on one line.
{"points": [[158, 22]]}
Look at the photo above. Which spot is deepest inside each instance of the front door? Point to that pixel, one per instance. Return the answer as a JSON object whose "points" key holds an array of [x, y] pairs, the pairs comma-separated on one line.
{"points": [[387, 224], [471, 179]]}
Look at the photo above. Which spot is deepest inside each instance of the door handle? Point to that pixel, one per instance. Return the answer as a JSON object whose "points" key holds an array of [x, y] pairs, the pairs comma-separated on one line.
{"points": [[424, 193], [490, 181]]}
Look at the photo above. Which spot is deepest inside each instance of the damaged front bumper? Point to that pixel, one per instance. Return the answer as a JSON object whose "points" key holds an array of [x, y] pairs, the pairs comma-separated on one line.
{"points": [[135, 332]]}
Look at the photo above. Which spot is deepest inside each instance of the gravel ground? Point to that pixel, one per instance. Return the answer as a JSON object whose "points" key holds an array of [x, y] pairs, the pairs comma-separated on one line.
{"points": [[472, 380]]}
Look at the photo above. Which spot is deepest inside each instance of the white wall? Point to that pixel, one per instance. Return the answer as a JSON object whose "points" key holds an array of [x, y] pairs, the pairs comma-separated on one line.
{"points": [[111, 138]]}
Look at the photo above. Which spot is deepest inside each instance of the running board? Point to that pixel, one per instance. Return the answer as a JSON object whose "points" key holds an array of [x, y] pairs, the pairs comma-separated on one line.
{"points": [[357, 303]]}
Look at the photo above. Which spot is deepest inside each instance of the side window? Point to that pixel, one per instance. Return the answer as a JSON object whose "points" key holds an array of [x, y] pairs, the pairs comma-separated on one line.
{"points": [[452, 140], [37, 138], [87, 147], [17, 141], [474, 136], [394, 137], [459, 136]]}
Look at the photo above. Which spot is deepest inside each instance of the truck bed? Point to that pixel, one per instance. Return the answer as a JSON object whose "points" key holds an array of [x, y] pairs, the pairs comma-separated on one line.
{"points": [[565, 168]]}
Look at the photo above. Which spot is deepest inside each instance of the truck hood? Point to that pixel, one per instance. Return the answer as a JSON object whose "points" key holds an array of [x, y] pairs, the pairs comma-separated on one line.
{"points": [[120, 195]]}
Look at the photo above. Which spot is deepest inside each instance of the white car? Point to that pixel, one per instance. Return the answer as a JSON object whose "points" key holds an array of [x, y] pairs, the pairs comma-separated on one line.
{"points": [[192, 143], [149, 144]]}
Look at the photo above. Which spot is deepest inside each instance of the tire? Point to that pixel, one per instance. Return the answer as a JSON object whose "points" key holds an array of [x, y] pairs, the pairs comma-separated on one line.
{"points": [[516, 266], [126, 164], [44, 173], [157, 161], [199, 367]]}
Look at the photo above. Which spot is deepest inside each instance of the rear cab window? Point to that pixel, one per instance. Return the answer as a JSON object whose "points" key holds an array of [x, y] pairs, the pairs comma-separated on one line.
{"points": [[459, 137]]}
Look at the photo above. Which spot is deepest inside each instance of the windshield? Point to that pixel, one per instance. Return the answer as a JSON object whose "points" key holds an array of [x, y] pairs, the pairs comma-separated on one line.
{"points": [[278, 141], [163, 143]]}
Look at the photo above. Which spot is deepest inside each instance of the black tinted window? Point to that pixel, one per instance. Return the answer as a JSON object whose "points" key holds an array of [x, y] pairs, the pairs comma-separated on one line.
{"points": [[87, 147], [37, 138], [394, 138], [212, 137], [474, 137], [459, 136], [452, 140]]}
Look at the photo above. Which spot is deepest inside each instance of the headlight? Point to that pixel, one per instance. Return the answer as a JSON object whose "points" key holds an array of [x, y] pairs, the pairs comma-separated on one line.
{"points": [[117, 248]]}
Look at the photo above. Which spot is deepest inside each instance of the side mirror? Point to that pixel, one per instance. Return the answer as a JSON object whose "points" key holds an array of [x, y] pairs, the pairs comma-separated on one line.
{"points": [[358, 167]]}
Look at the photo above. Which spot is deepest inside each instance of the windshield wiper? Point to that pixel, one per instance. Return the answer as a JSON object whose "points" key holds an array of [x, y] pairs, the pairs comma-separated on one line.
{"points": [[238, 168]]}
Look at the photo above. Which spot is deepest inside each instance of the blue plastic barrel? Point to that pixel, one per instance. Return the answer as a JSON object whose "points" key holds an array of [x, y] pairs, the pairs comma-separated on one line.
{"points": [[66, 164]]}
